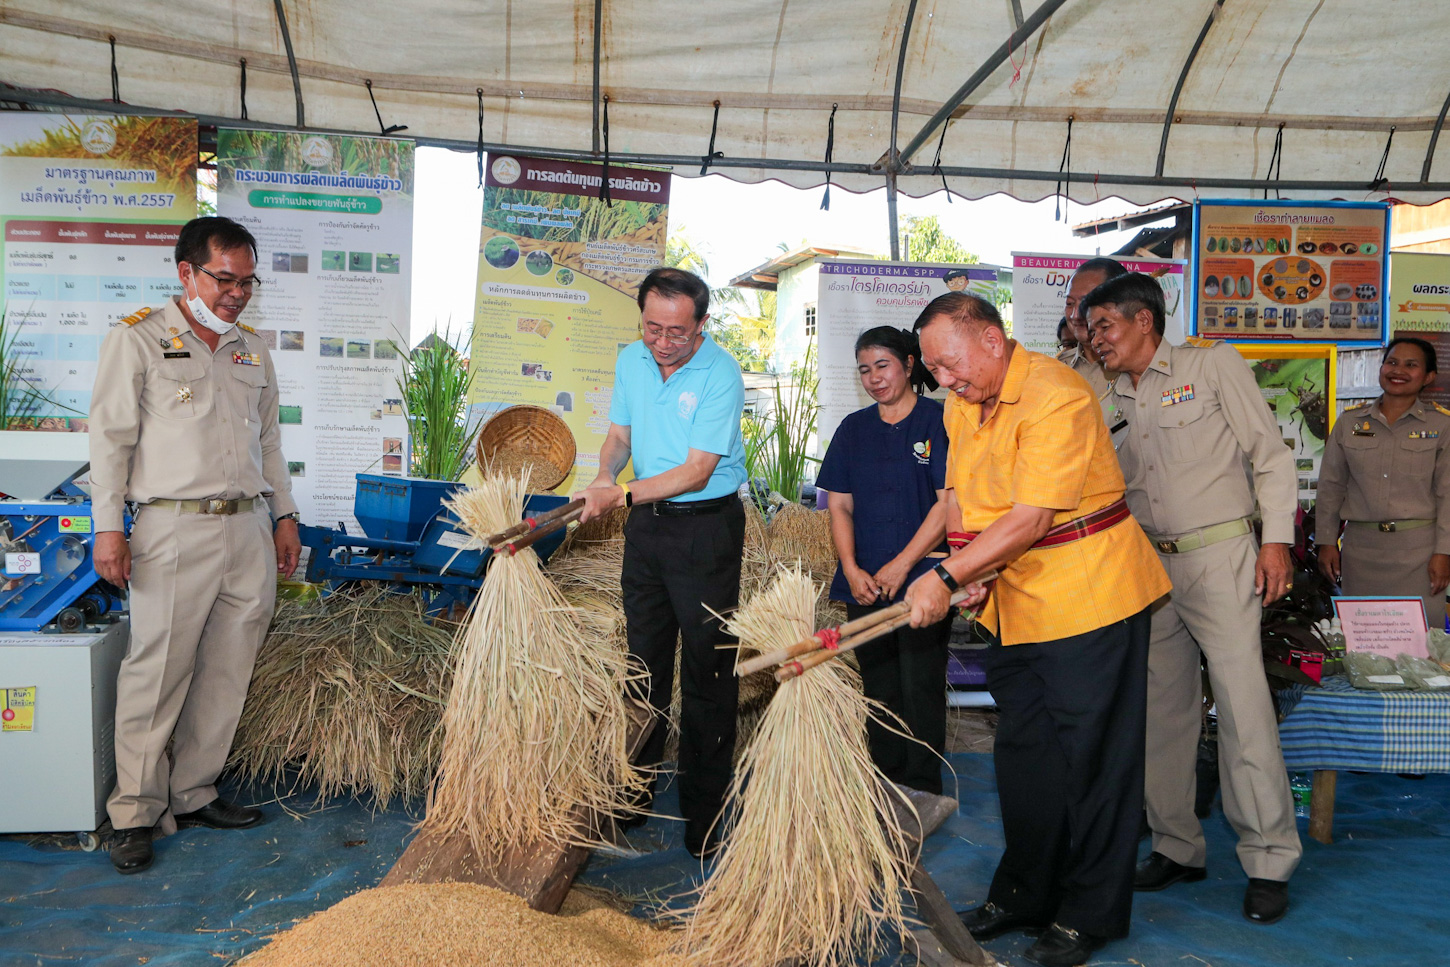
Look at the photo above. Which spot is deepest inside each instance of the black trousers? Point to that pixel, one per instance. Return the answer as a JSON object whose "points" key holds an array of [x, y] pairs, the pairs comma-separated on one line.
{"points": [[673, 568], [1069, 760], [907, 672]]}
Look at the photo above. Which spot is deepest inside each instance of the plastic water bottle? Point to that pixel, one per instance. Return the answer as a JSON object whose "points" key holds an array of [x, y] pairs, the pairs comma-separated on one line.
{"points": [[1301, 786], [1447, 611]]}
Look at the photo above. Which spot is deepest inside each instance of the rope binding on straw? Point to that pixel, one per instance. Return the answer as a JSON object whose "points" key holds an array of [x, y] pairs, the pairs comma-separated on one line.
{"points": [[830, 638]]}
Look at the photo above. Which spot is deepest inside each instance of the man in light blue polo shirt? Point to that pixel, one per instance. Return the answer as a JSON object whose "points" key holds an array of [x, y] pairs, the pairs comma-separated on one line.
{"points": [[676, 410]]}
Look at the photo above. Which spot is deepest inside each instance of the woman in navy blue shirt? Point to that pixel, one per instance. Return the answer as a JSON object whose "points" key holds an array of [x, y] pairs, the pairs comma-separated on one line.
{"points": [[885, 474]]}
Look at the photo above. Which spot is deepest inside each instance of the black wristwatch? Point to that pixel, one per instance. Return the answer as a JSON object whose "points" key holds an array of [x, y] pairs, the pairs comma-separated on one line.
{"points": [[946, 577], [293, 517]]}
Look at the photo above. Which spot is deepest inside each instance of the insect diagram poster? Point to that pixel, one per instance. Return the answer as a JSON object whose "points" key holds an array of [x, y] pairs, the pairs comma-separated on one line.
{"points": [[1298, 385], [1290, 270], [558, 272], [90, 208], [333, 218]]}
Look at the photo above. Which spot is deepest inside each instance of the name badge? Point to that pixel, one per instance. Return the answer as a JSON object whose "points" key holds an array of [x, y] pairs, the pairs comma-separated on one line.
{"points": [[247, 359], [1424, 434], [1180, 395], [180, 355]]}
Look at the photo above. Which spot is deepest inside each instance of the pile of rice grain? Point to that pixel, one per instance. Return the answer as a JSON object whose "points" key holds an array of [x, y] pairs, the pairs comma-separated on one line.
{"points": [[457, 924]]}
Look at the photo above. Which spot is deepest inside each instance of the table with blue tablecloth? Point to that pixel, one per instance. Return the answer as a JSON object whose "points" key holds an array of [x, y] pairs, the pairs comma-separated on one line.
{"points": [[1337, 726]]}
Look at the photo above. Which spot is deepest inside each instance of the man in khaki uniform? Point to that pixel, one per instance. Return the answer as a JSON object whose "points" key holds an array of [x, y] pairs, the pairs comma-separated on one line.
{"points": [[1082, 358], [183, 423], [1196, 417], [1386, 471]]}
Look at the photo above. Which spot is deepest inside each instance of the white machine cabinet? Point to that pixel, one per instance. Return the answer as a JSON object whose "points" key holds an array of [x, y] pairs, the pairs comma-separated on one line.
{"points": [[56, 777]]}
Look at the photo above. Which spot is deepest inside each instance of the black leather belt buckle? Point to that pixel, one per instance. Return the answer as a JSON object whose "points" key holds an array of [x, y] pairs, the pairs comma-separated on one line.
{"points": [[690, 508]]}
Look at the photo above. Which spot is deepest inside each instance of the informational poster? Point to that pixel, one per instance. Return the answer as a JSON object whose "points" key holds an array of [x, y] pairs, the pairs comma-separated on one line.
{"points": [[1291, 270], [1420, 307], [1039, 287], [1298, 382], [333, 219], [90, 208], [855, 296], [1384, 626], [558, 272]]}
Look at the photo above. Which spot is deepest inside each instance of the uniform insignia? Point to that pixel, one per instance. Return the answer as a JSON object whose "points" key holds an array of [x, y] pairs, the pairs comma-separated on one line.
{"points": [[1424, 434], [247, 359], [180, 355], [183, 395], [176, 343], [1180, 395], [173, 331], [1362, 406], [136, 317], [922, 451], [1441, 409], [243, 325], [1362, 426]]}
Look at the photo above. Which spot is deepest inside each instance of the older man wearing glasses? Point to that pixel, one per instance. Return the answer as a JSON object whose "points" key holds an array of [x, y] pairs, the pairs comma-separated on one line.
{"points": [[183, 424], [676, 410]]}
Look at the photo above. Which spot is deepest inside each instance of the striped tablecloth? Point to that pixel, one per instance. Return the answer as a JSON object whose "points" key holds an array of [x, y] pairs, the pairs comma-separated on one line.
{"points": [[1338, 726]]}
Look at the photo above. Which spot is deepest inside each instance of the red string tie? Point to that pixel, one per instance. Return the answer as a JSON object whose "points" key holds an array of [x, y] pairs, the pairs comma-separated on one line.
{"points": [[830, 638], [799, 668], [532, 522]]}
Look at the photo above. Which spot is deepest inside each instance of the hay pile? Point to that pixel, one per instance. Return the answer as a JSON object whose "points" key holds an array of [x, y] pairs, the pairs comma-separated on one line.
{"points": [[536, 728], [463, 925], [815, 859], [798, 533], [348, 690]]}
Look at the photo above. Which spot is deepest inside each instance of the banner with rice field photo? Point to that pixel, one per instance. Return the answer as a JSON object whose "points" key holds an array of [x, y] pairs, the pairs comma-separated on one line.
{"points": [[558, 272], [333, 219], [89, 209]]}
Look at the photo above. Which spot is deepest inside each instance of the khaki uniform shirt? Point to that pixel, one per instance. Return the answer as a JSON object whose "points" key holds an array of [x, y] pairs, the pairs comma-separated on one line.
{"points": [[183, 424], [1374, 470], [1194, 418], [1100, 381]]}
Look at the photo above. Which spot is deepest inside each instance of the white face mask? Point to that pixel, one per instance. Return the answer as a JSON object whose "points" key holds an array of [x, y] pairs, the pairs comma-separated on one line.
{"points": [[206, 317]]}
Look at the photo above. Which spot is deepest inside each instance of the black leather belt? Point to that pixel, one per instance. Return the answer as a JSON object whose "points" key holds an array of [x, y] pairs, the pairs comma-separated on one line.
{"points": [[692, 508]]}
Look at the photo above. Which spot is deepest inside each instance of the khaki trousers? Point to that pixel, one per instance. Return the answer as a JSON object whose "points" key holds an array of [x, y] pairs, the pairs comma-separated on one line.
{"points": [[1213, 609], [202, 593], [1394, 565]]}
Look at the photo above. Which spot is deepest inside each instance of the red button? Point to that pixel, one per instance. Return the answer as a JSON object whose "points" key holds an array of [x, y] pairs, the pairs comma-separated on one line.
{"points": [[8, 715], [65, 522]]}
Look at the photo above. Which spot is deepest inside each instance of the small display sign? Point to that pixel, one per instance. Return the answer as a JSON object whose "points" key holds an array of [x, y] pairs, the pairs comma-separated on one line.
{"points": [[1384, 626], [21, 563], [75, 525], [17, 709]]}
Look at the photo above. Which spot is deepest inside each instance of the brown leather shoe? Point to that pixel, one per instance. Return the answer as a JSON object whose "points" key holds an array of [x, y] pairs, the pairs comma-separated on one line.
{"points": [[131, 849], [220, 814]]}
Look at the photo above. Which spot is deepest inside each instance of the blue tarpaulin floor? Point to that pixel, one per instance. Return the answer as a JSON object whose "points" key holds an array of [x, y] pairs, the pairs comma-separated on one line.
{"points": [[1375, 898]]}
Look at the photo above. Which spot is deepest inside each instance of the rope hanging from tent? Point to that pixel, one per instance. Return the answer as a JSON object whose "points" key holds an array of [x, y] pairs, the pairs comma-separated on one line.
{"points": [[710, 153], [1380, 182], [604, 179], [1277, 158], [115, 75], [244, 90], [480, 137], [1064, 169], [830, 148], [936, 162], [389, 129]]}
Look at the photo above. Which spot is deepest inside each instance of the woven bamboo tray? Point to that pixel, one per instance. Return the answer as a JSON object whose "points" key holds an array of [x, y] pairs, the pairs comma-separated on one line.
{"points": [[533, 432]]}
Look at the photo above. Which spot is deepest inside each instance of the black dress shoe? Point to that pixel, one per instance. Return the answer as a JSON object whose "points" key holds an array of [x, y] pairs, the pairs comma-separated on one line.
{"points": [[1266, 901], [131, 849], [1062, 947], [989, 920], [220, 814], [1158, 872]]}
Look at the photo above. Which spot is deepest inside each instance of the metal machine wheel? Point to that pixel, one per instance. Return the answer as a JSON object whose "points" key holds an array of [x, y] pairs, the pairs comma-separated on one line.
{"points": [[70, 620], [90, 842]]}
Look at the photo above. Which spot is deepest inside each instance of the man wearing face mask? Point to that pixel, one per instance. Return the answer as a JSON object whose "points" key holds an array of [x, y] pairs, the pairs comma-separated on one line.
{"points": [[183, 424]]}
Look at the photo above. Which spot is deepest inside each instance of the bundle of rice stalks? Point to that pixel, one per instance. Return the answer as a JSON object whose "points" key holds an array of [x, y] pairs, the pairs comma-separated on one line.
{"points": [[536, 729], [797, 532], [815, 859], [348, 691]]}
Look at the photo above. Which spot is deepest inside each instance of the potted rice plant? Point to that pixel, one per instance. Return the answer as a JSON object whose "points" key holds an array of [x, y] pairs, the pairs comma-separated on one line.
{"points": [[434, 383], [777, 445]]}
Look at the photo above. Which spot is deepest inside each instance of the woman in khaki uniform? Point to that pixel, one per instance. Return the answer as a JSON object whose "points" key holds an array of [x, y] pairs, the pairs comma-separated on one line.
{"points": [[1386, 475]]}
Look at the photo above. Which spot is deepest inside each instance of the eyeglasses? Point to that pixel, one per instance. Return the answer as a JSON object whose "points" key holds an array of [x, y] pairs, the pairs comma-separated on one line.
{"points": [[657, 334], [245, 285]]}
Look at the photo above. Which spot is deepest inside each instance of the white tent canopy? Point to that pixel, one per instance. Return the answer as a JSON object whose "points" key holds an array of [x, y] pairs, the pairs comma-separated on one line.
{"points": [[1339, 76]]}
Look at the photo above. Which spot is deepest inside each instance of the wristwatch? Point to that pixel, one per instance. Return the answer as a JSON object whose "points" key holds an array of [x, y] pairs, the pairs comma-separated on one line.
{"points": [[293, 517], [946, 577]]}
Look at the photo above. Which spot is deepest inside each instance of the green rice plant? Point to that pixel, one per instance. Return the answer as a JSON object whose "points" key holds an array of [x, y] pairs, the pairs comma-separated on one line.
{"points": [[435, 382], [777, 446]]}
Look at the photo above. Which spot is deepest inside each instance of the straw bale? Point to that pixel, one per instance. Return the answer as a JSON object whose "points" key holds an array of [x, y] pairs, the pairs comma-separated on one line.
{"points": [[465, 925], [348, 691], [799, 533]]}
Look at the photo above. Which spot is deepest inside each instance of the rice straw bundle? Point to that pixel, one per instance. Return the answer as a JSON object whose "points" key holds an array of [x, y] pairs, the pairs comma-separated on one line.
{"points": [[797, 532], [536, 729], [348, 690], [814, 859]]}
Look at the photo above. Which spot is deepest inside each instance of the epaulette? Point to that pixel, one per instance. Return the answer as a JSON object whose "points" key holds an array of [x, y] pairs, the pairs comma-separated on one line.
{"points": [[243, 325], [1441, 409], [136, 317], [1198, 342], [1365, 406]]}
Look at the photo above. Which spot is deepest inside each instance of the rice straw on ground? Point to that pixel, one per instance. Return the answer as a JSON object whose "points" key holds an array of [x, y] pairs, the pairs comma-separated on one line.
{"points": [[536, 729], [815, 860]]}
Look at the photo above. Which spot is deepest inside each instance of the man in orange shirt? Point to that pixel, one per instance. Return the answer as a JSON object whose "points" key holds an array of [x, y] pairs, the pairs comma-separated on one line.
{"points": [[1041, 498]]}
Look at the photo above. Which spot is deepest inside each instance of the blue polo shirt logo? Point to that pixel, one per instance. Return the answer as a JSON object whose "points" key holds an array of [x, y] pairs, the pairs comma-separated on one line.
{"points": [[922, 451], [688, 402]]}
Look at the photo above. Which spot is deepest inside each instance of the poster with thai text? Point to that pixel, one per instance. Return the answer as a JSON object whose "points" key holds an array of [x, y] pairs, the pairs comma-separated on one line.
{"points": [[1039, 288], [855, 296], [90, 207], [558, 272], [1290, 270], [333, 219]]}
